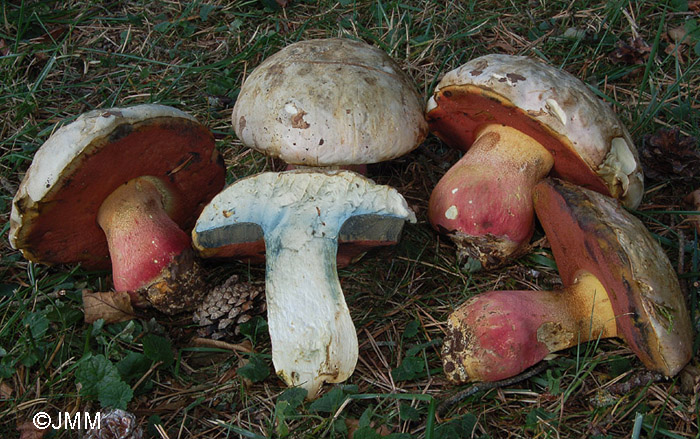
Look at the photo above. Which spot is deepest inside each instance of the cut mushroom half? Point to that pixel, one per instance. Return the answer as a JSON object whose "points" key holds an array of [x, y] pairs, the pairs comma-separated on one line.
{"points": [[122, 185], [302, 215], [618, 283], [519, 120]]}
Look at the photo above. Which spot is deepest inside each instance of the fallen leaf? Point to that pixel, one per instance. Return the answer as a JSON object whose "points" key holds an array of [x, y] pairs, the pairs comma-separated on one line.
{"points": [[5, 391], [634, 52], [694, 6], [679, 35], [53, 35], [29, 431], [112, 306], [693, 199]]}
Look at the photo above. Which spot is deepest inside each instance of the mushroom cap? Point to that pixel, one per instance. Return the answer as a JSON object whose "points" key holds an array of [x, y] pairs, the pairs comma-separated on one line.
{"points": [[592, 233], [591, 147], [54, 213], [343, 205], [329, 102]]}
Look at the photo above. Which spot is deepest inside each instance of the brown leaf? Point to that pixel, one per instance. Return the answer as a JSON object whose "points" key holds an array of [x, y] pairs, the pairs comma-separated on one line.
{"points": [[634, 52], [29, 431], [676, 50], [53, 35], [112, 306], [679, 35], [4, 49], [694, 6], [5, 391], [693, 200], [667, 155]]}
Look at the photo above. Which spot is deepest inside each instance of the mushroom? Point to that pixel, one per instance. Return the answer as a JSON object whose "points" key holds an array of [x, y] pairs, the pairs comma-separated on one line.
{"points": [[302, 215], [329, 102], [126, 185], [618, 283], [519, 120]]}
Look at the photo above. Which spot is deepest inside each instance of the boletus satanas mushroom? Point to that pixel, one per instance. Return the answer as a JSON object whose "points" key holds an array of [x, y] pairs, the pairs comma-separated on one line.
{"points": [[302, 215], [329, 102], [617, 283], [122, 185], [519, 120]]}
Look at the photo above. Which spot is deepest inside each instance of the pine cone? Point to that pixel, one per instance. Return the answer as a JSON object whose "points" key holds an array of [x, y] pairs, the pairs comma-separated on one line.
{"points": [[667, 155], [116, 424], [228, 306]]}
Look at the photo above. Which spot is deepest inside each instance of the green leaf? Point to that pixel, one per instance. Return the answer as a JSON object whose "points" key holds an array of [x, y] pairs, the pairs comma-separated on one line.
{"points": [[6, 369], [294, 396], [162, 27], [460, 427], [409, 369], [366, 432], [271, 4], [37, 323], [542, 260], [7, 290], [205, 10], [256, 370], [408, 413], [158, 348], [100, 378], [536, 415], [95, 371], [330, 402], [411, 329], [253, 327], [133, 366], [115, 394], [366, 417]]}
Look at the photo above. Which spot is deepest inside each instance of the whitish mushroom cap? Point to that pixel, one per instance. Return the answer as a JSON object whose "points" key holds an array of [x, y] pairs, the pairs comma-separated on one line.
{"points": [[53, 218], [329, 102], [566, 106]]}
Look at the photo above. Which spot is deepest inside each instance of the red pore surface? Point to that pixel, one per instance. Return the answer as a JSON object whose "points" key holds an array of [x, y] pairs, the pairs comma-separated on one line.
{"points": [[178, 151], [582, 237], [494, 335], [463, 110]]}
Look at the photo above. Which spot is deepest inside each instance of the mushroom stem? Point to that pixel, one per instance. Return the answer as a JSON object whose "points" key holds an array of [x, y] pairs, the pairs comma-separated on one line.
{"points": [[501, 333], [313, 337], [142, 238], [485, 200]]}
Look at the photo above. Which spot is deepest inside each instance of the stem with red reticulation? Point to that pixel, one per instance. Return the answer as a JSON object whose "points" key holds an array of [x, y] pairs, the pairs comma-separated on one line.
{"points": [[143, 240], [499, 334], [484, 202]]}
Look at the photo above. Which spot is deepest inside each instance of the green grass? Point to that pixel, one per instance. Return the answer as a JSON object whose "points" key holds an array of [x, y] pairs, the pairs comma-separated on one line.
{"points": [[60, 59]]}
